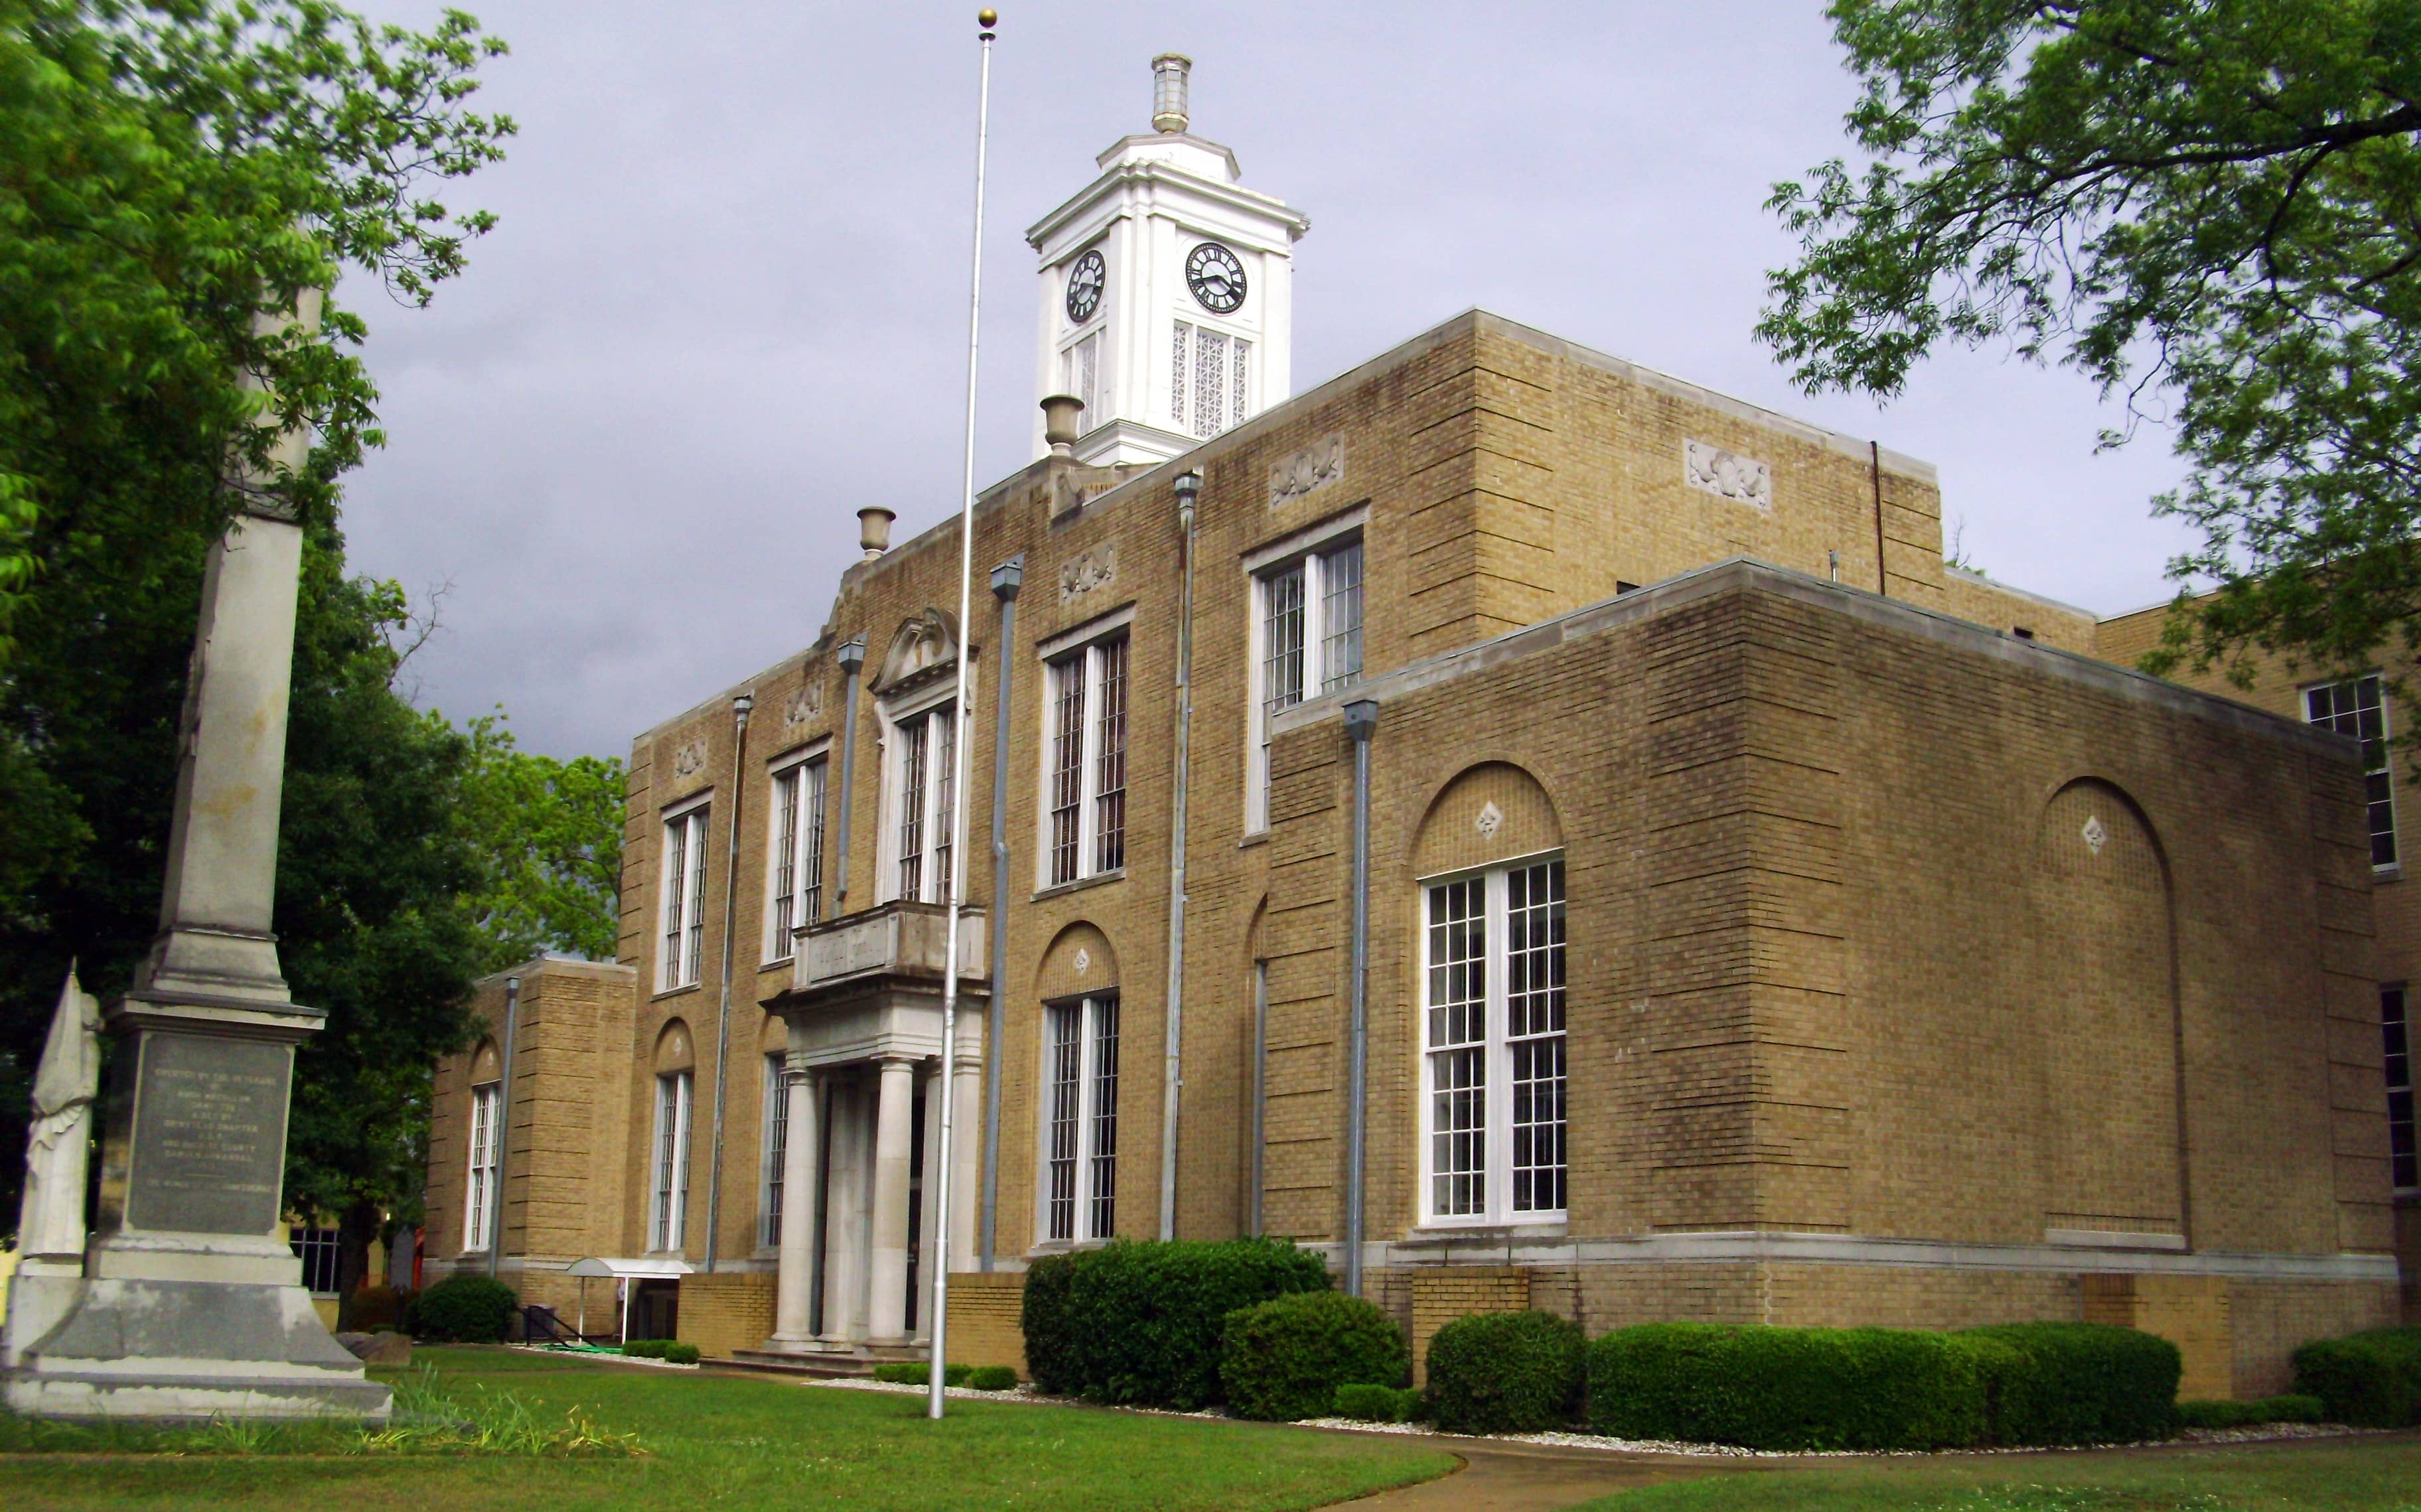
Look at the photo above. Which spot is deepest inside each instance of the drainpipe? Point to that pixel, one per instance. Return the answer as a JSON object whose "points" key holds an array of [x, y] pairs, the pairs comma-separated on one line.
{"points": [[740, 707], [1188, 488], [1361, 718], [1875, 471], [1260, 1085], [504, 1120], [1006, 580], [852, 657]]}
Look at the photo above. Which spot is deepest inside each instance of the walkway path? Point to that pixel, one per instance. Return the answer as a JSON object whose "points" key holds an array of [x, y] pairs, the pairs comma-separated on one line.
{"points": [[1537, 1477]]}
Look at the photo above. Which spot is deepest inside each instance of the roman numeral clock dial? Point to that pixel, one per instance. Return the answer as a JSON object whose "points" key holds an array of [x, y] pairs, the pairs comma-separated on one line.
{"points": [[1085, 282], [1216, 278]]}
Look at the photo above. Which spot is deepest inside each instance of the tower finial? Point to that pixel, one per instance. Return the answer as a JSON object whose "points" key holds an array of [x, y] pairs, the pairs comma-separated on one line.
{"points": [[1169, 72]]}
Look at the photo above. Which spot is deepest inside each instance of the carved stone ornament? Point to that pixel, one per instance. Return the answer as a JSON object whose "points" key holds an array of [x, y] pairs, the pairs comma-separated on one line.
{"points": [[922, 643], [690, 760], [1084, 960], [1727, 475], [2095, 835], [1094, 568], [1491, 819], [805, 704], [1308, 471]]}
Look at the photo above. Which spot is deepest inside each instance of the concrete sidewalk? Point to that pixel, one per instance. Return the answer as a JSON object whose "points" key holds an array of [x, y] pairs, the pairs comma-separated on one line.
{"points": [[1537, 1477]]}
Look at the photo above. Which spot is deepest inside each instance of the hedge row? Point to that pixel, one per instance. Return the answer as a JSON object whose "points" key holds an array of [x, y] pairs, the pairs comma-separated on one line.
{"points": [[1506, 1373], [1140, 1323], [2372, 1379], [2225, 1414], [1288, 1358], [1871, 1388], [463, 1310]]}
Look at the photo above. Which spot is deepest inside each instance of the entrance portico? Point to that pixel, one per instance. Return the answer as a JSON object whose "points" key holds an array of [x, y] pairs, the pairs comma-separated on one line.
{"points": [[864, 1081]]}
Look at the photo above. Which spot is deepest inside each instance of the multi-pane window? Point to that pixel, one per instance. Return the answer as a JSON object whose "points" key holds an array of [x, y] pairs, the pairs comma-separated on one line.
{"points": [[317, 1249], [924, 766], [479, 1198], [2404, 1160], [684, 901], [1209, 377], [796, 854], [670, 1184], [1086, 753], [1493, 1040], [1080, 374], [777, 1150], [1309, 620], [2359, 707], [1080, 1136]]}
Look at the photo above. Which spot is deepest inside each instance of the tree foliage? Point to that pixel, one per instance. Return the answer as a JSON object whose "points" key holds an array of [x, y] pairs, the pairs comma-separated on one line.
{"points": [[551, 832], [2213, 204]]}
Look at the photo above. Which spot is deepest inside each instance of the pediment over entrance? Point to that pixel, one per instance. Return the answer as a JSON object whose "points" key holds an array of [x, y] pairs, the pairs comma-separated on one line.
{"points": [[925, 642]]}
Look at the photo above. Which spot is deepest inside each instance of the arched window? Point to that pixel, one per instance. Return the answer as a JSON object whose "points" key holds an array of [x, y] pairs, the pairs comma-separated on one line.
{"points": [[669, 1163], [487, 1125]]}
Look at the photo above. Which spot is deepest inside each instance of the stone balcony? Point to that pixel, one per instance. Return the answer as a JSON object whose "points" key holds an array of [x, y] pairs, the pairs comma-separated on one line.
{"points": [[868, 985]]}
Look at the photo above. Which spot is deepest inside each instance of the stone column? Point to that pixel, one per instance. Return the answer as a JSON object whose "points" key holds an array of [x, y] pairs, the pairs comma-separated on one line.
{"points": [[887, 1283], [845, 1163], [966, 1150], [191, 1304], [794, 1300]]}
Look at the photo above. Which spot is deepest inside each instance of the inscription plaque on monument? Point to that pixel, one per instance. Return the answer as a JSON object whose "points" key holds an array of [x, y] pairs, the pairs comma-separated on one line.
{"points": [[210, 1135]]}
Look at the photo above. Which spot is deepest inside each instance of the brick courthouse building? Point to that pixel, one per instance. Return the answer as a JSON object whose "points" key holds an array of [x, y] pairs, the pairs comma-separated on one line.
{"points": [[1763, 921]]}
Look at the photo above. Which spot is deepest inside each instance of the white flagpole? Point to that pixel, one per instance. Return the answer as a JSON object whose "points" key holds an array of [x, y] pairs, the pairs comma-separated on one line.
{"points": [[937, 1229]]}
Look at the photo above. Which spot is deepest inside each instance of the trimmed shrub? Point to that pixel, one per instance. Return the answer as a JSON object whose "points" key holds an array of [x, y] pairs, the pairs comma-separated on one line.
{"points": [[2370, 1380], [1504, 1373], [919, 1372], [2210, 1415], [681, 1354], [991, 1378], [2077, 1383], [1786, 1388], [464, 1310], [1284, 1359], [647, 1348], [1377, 1404], [1139, 1322]]}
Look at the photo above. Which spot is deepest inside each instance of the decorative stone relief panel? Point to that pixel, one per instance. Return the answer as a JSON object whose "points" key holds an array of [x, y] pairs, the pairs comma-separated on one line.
{"points": [[1306, 472], [1727, 475], [690, 760], [805, 704], [1094, 568]]}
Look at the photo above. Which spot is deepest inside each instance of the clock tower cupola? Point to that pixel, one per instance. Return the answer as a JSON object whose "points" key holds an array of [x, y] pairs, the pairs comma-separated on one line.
{"points": [[1167, 291]]}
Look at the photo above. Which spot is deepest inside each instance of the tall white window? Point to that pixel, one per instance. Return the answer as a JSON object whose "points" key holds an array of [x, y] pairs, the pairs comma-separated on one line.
{"points": [[2359, 707], [671, 1173], [795, 854], [923, 762], [1492, 1044], [684, 899], [1209, 379], [1080, 374], [1080, 1133], [1084, 762], [777, 1148], [1308, 642], [479, 1197]]}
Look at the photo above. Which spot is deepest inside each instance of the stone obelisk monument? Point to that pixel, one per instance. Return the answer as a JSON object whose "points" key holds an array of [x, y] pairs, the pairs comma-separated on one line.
{"points": [[191, 1304]]}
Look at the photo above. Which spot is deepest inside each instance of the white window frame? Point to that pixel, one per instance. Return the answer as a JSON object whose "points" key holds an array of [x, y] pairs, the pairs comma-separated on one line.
{"points": [[1496, 1209], [934, 820], [808, 841], [776, 1128], [479, 1196], [2378, 765], [1309, 550], [680, 894], [1093, 1194], [669, 1163], [1090, 643]]}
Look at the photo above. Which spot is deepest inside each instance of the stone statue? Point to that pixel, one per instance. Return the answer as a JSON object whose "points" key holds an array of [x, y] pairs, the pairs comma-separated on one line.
{"points": [[50, 1221]]}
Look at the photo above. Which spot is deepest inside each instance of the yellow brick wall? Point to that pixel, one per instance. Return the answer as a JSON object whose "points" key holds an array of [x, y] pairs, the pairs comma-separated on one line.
{"points": [[2191, 1312], [985, 1328], [727, 1310], [1441, 1294]]}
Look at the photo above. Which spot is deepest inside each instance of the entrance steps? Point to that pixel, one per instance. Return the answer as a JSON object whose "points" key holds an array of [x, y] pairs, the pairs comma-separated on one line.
{"points": [[829, 1361]]}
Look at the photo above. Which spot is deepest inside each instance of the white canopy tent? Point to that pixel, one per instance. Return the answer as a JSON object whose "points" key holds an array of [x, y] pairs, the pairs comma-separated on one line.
{"points": [[624, 1271]]}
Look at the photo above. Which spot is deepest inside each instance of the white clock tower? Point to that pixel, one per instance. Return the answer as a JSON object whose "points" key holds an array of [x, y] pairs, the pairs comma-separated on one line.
{"points": [[1167, 291]]}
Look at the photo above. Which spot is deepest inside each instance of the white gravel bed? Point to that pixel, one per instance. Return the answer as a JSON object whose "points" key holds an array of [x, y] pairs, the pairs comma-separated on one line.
{"points": [[1018, 1393], [2250, 1434]]}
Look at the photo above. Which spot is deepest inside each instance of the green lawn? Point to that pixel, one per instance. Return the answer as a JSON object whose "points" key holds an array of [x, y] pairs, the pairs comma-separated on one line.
{"points": [[730, 1441], [2357, 1477]]}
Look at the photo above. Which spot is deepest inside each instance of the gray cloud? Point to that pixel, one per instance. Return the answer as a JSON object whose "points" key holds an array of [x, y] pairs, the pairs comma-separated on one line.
{"points": [[726, 303]]}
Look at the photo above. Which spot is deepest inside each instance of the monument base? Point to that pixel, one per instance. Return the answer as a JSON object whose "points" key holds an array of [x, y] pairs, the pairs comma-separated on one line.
{"points": [[191, 1350]]}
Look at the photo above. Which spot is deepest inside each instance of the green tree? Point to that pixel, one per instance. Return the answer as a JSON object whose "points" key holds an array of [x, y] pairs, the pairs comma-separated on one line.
{"points": [[2213, 204], [550, 832]]}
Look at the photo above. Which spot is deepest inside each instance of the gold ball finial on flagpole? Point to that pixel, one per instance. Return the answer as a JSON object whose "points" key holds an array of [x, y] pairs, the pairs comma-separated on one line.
{"points": [[986, 18]]}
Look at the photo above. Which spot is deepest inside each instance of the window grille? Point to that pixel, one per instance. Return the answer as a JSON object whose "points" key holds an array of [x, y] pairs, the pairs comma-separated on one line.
{"points": [[1081, 1129], [2402, 1155], [1110, 763], [1067, 1053], [671, 1186], [1311, 643], [1066, 768], [1085, 795], [479, 1198], [1180, 350], [912, 756], [1210, 382], [2359, 707], [316, 1248], [684, 899], [785, 860], [1458, 1026], [777, 1148], [1340, 616], [1493, 985]]}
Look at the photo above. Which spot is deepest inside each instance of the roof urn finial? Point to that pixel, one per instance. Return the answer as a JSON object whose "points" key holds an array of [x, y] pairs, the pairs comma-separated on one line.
{"points": [[1168, 76]]}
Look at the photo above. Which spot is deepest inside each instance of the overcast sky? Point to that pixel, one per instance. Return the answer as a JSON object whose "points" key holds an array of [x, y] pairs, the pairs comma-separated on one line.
{"points": [[726, 303]]}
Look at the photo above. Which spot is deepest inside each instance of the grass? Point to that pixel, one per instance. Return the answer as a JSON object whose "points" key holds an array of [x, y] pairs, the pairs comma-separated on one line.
{"points": [[2362, 1475], [720, 1441]]}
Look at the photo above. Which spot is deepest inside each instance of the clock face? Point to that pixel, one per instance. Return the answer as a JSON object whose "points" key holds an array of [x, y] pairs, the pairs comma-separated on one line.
{"points": [[1085, 282], [1216, 277]]}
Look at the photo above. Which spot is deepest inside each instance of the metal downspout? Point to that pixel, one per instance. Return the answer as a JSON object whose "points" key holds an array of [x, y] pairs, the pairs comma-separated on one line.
{"points": [[1006, 580], [1361, 720], [504, 1120], [852, 660], [740, 707], [1188, 486]]}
